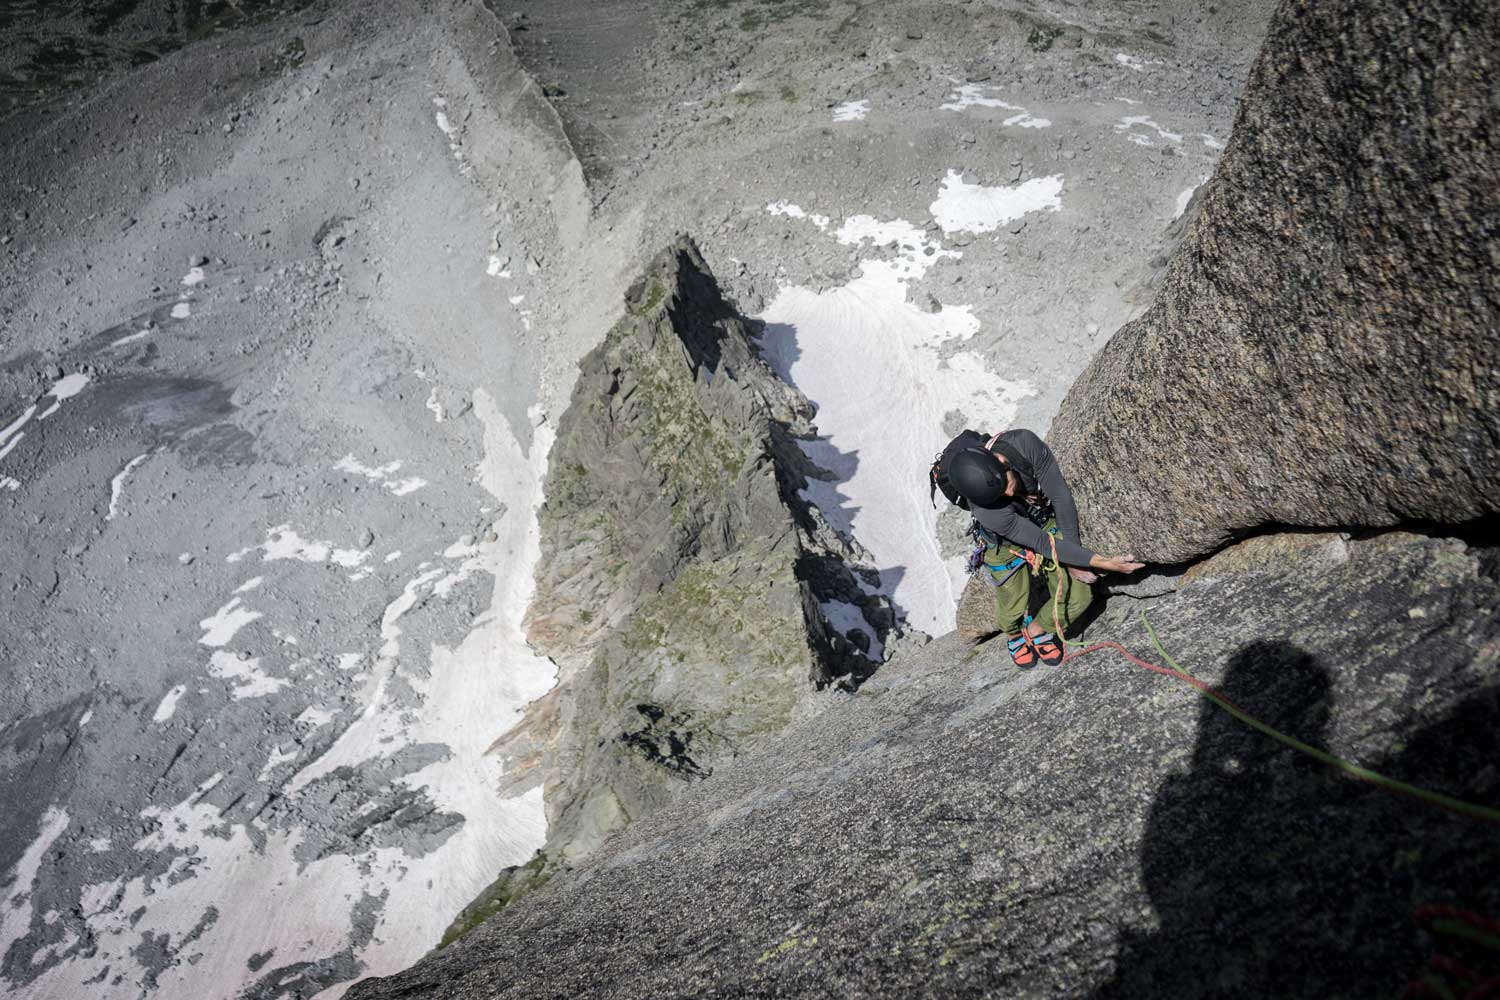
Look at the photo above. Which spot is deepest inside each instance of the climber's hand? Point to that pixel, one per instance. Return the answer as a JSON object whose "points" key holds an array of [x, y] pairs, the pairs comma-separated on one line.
{"points": [[1116, 564], [1083, 575]]}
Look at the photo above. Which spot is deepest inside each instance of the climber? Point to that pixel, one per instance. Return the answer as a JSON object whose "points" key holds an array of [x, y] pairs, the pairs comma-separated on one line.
{"points": [[1013, 486]]}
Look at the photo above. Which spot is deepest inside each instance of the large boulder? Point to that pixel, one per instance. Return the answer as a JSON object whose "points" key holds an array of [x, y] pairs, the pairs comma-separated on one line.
{"points": [[1324, 351]]}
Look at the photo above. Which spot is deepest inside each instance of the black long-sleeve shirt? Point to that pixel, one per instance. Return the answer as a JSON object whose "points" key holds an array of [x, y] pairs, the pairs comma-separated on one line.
{"points": [[1009, 520]]}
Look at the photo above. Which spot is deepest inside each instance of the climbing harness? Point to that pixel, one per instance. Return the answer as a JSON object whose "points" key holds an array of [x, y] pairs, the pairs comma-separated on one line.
{"points": [[1472, 810]]}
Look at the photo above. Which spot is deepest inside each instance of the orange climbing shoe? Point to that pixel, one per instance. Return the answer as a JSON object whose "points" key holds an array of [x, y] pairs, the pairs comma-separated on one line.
{"points": [[1021, 653], [1048, 648]]}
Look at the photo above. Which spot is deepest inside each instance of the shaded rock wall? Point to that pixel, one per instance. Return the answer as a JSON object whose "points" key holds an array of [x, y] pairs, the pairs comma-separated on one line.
{"points": [[680, 580], [960, 828], [1324, 351]]}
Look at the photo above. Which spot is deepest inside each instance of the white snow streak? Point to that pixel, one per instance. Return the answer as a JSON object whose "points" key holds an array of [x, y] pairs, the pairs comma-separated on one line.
{"points": [[221, 626], [130, 338], [1128, 123], [385, 474], [970, 95], [1135, 62], [117, 485]]}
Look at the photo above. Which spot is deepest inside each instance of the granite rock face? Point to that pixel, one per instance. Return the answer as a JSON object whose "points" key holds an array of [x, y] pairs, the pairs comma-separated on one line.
{"points": [[1324, 350], [683, 588], [959, 828]]}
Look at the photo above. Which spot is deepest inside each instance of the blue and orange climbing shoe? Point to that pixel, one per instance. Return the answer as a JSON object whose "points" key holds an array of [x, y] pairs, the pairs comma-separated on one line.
{"points": [[1048, 648], [1021, 653]]}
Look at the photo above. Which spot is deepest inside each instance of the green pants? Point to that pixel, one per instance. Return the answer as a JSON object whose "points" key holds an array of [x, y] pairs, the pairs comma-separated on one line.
{"points": [[1066, 598]]}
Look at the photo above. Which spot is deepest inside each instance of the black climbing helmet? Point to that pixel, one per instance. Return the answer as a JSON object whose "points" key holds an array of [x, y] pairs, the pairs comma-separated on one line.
{"points": [[978, 476]]}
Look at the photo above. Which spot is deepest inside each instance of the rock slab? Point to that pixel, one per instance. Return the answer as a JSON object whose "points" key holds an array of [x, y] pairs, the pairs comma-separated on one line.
{"points": [[963, 829]]}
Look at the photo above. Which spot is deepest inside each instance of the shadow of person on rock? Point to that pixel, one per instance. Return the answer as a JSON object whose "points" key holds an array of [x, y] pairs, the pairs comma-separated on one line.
{"points": [[1274, 876]]}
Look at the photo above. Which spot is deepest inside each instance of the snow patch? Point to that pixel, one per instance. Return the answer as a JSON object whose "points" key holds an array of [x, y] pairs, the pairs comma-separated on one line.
{"points": [[168, 706], [283, 542], [385, 474], [248, 680], [68, 387], [221, 626], [181, 311], [352, 465], [130, 338], [401, 487], [791, 211], [851, 111], [961, 206], [1210, 141], [970, 95], [193, 277], [8, 483], [883, 375]]}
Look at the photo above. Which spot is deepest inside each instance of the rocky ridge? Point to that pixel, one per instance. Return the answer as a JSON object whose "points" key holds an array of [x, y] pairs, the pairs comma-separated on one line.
{"points": [[684, 589]]}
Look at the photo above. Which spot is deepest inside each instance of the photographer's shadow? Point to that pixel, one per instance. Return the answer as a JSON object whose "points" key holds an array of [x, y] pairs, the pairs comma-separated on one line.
{"points": [[1274, 876]]}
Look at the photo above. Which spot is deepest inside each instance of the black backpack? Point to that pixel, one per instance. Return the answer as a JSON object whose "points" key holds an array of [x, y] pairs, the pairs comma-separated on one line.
{"points": [[938, 475]]}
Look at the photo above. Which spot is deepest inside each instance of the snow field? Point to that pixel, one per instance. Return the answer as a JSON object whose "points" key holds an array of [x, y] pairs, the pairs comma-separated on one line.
{"points": [[883, 374]]}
